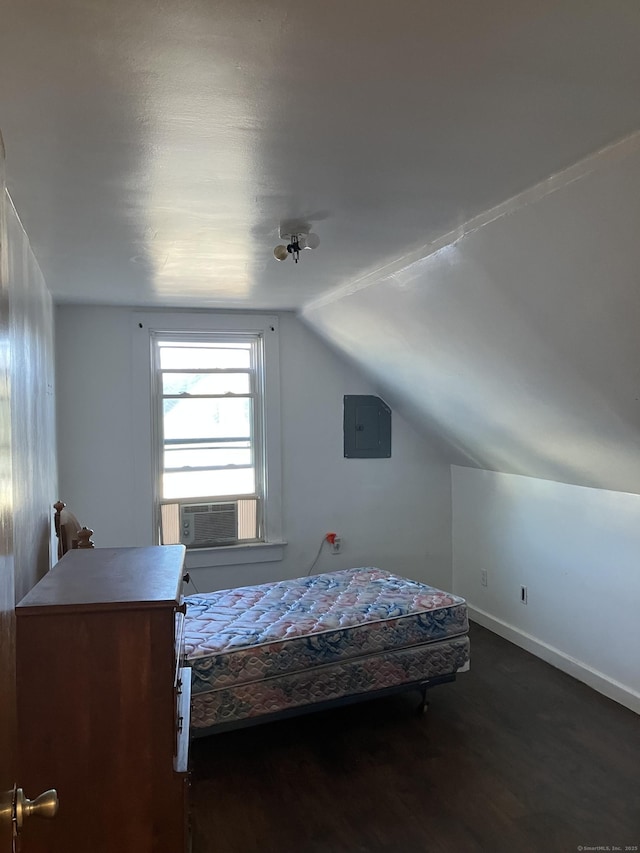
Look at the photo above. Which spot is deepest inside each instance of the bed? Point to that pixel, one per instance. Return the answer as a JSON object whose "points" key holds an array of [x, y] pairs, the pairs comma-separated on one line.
{"points": [[70, 533], [266, 652], [269, 651]]}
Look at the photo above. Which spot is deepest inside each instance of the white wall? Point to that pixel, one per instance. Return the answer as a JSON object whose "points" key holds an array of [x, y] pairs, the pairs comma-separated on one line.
{"points": [[394, 513], [576, 549], [32, 441]]}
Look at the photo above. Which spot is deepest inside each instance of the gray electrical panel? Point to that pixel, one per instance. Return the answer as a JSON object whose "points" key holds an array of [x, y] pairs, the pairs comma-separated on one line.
{"points": [[367, 427]]}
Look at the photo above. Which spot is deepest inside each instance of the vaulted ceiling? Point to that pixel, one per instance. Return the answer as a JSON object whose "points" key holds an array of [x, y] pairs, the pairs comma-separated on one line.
{"points": [[154, 146]]}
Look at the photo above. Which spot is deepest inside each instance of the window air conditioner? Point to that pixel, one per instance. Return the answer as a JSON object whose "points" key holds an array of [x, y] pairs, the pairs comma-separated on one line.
{"points": [[208, 525]]}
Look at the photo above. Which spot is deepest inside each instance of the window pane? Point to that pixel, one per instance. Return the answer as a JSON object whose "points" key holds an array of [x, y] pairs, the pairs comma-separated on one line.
{"points": [[194, 357], [194, 418], [193, 484], [207, 383], [207, 457]]}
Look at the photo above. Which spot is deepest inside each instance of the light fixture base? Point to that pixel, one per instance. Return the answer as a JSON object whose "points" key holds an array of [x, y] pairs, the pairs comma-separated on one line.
{"points": [[292, 227]]}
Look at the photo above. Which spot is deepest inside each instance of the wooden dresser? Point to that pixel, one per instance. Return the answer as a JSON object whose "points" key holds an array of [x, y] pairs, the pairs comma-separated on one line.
{"points": [[103, 711]]}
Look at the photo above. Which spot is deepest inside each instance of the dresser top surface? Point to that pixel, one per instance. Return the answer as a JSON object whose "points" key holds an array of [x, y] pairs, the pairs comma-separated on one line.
{"points": [[109, 577]]}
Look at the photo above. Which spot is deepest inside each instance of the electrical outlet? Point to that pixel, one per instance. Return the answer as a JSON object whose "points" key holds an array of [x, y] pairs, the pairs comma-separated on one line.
{"points": [[524, 594], [483, 578], [336, 545]]}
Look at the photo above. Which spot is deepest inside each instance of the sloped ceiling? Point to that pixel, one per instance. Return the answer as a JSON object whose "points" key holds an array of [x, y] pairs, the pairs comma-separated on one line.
{"points": [[153, 146], [516, 341]]}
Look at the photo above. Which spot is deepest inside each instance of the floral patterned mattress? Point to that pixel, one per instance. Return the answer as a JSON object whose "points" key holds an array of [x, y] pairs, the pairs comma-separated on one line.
{"points": [[358, 629]]}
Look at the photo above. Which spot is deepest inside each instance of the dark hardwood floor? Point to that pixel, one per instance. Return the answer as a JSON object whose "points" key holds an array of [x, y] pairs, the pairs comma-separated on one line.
{"points": [[514, 756]]}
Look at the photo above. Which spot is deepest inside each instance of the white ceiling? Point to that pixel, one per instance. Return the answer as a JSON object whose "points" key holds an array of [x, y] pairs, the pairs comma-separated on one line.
{"points": [[153, 146]]}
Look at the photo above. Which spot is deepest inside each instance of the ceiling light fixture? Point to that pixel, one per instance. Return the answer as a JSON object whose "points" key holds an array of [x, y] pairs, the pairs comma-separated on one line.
{"points": [[295, 243]]}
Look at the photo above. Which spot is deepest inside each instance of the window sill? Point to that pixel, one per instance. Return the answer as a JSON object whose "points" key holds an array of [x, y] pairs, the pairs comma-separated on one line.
{"points": [[234, 555]]}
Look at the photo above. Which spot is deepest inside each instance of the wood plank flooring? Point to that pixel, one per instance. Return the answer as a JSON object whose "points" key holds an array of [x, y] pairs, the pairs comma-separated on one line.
{"points": [[514, 756]]}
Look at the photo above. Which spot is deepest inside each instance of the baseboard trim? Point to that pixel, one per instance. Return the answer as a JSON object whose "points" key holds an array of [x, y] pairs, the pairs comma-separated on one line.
{"points": [[592, 677]]}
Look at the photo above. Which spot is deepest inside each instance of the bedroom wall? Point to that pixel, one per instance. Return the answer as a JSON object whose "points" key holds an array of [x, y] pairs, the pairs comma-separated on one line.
{"points": [[576, 550], [32, 408], [395, 513]]}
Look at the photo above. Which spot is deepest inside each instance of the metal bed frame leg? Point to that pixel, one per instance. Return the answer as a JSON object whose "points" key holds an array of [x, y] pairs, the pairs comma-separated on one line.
{"points": [[423, 707]]}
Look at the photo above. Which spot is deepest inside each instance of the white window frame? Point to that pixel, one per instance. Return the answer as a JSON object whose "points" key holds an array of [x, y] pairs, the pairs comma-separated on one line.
{"points": [[256, 438], [147, 328]]}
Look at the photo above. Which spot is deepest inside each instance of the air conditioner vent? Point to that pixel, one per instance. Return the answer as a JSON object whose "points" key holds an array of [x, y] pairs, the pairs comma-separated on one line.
{"points": [[208, 525]]}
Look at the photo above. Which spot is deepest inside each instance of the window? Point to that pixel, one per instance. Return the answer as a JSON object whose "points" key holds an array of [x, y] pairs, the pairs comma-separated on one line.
{"points": [[214, 432], [210, 421]]}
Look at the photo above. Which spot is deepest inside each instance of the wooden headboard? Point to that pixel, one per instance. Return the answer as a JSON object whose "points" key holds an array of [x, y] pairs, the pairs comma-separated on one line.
{"points": [[70, 533]]}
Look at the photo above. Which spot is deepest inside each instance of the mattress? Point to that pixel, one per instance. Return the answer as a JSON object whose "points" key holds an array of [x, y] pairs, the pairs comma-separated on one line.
{"points": [[239, 637]]}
